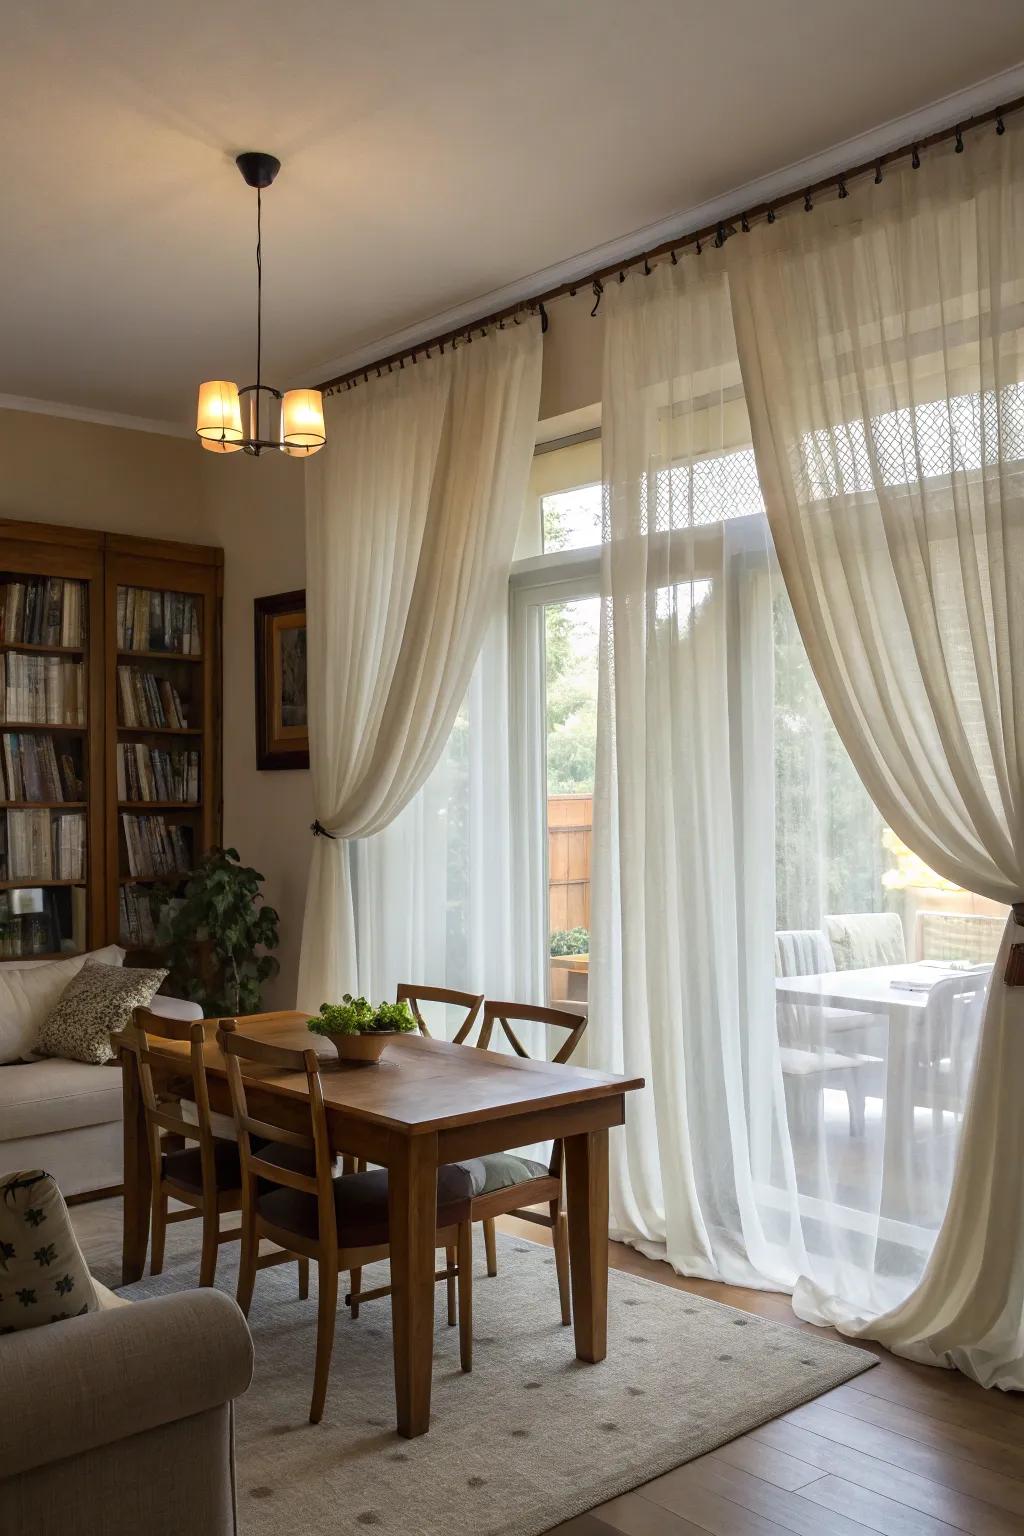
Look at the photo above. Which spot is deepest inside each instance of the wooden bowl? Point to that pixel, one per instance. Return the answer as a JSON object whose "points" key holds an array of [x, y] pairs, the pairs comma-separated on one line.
{"points": [[362, 1050]]}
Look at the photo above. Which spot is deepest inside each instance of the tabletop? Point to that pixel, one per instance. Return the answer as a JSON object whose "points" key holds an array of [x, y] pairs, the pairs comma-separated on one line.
{"points": [[871, 988], [421, 1084]]}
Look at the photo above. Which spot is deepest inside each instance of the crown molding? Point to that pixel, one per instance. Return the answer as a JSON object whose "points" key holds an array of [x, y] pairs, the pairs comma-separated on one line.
{"points": [[97, 418], [981, 97]]}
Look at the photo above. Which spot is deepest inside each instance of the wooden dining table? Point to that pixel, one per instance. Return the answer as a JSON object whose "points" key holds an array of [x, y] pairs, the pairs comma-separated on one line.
{"points": [[427, 1103]]}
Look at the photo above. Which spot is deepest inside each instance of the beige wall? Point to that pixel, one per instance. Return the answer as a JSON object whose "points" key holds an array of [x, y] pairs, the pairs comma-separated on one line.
{"points": [[256, 515]]}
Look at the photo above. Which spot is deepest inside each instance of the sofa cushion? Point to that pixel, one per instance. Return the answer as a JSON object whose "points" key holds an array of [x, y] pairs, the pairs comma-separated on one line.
{"points": [[97, 1003], [43, 1276], [29, 990], [39, 1097]]}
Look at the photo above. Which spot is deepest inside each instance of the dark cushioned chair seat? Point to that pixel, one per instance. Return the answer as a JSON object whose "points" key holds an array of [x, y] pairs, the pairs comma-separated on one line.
{"points": [[361, 1204], [502, 1170], [185, 1167]]}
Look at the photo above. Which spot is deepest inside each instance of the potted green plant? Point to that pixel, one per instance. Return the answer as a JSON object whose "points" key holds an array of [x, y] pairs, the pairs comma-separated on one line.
{"points": [[358, 1031], [213, 934]]}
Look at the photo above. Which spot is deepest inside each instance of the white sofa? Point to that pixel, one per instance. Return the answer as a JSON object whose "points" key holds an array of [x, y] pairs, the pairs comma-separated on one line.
{"points": [[65, 1116]]}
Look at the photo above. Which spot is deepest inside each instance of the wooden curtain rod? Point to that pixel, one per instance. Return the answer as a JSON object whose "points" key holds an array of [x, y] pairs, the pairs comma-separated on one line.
{"points": [[718, 233]]}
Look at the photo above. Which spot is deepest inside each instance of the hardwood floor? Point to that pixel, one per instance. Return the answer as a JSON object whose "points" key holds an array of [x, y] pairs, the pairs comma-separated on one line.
{"points": [[903, 1450]]}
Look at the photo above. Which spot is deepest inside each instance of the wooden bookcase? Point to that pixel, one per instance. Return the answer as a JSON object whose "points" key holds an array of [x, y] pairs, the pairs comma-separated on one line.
{"points": [[179, 580]]}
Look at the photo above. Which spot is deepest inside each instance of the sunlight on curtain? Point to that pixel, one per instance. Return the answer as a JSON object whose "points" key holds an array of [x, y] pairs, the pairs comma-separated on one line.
{"points": [[882, 345], [785, 1136]]}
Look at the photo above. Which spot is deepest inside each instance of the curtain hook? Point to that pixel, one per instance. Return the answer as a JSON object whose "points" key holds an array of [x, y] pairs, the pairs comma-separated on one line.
{"points": [[744, 224], [622, 276], [598, 290], [771, 216], [648, 269], [1000, 126], [878, 174], [915, 159], [675, 259], [543, 318], [720, 237], [958, 147], [843, 191], [808, 205], [699, 246]]}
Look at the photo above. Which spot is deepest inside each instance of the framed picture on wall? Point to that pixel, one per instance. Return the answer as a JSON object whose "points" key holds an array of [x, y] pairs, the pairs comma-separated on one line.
{"points": [[282, 733]]}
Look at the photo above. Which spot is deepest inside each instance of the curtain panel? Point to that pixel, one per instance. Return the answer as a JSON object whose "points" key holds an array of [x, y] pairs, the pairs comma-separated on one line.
{"points": [[412, 512], [882, 351]]}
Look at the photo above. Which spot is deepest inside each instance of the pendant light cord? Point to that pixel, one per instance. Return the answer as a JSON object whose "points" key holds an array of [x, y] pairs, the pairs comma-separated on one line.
{"points": [[259, 288]]}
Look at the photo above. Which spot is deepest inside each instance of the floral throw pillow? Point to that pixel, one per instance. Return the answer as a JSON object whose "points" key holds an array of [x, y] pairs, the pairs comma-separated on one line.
{"points": [[43, 1275], [96, 1003]]}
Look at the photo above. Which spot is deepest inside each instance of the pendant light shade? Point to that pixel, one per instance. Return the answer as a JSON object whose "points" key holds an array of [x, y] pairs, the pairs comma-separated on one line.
{"points": [[219, 416], [292, 423], [302, 421]]}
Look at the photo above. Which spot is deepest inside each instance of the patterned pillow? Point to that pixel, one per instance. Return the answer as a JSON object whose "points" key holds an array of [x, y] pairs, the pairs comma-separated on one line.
{"points": [[96, 1002], [43, 1276]]}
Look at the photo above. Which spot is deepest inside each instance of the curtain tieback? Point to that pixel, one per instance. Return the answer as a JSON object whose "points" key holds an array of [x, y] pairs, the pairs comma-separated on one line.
{"points": [[321, 831], [1014, 974]]}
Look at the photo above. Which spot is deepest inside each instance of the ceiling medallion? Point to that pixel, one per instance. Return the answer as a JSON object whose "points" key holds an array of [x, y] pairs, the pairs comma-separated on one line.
{"points": [[292, 422]]}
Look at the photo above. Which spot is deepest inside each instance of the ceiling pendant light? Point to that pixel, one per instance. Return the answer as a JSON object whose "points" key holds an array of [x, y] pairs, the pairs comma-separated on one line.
{"points": [[259, 416]]}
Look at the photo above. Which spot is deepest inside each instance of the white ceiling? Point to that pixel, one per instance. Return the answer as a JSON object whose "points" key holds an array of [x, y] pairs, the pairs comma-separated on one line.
{"points": [[434, 151]]}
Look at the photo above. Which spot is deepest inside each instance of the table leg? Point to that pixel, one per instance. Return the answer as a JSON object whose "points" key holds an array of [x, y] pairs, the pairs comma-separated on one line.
{"points": [[412, 1205], [137, 1174], [586, 1180]]}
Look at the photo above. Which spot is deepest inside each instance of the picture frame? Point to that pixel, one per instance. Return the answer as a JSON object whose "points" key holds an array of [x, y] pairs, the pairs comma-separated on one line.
{"points": [[282, 729]]}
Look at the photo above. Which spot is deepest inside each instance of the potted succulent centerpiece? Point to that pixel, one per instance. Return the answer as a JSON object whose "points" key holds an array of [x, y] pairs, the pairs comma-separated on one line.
{"points": [[358, 1031]]}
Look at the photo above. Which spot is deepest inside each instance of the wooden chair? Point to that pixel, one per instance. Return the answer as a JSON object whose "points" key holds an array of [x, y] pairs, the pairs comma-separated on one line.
{"points": [[535, 1185], [292, 1195], [205, 1178], [414, 995]]}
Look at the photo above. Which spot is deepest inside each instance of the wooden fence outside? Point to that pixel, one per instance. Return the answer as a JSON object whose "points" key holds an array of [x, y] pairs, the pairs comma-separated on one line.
{"points": [[570, 820]]}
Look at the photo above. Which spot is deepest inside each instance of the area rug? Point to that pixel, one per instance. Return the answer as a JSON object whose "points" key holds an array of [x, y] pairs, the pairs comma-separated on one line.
{"points": [[530, 1437]]}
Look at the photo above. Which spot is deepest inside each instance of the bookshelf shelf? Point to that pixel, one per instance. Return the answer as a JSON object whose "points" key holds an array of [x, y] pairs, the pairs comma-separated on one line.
{"points": [[124, 655], [7, 646], [96, 627], [159, 730], [43, 805], [39, 725], [158, 805], [31, 883]]}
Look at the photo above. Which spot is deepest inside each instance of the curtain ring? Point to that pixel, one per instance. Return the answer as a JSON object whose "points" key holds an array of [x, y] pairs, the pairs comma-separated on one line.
{"points": [[958, 147], [878, 174], [1000, 126], [915, 159], [808, 204], [598, 290]]}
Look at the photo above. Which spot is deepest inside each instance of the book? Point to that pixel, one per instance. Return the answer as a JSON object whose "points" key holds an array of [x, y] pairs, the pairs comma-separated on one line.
{"points": [[165, 622], [145, 700], [42, 610], [155, 849]]}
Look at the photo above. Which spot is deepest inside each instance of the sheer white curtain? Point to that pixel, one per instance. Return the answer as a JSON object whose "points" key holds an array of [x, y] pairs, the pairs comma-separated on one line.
{"points": [[411, 519], [786, 1141], [683, 895], [443, 894], [882, 347]]}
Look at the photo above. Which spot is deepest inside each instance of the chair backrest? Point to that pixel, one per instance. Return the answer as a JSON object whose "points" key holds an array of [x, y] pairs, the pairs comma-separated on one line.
{"points": [[143, 1036], [414, 994], [802, 952], [506, 1014], [242, 1052], [972, 936], [861, 939]]}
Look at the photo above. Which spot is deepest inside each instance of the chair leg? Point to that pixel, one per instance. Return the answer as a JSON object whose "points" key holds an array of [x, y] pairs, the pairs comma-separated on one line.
{"points": [[560, 1243], [355, 1285], [490, 1246], [303, 1279], [450, 1262], [156, 1261], [326, 1309], [211, 1231], [247, 1265], [465, 1280]]}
